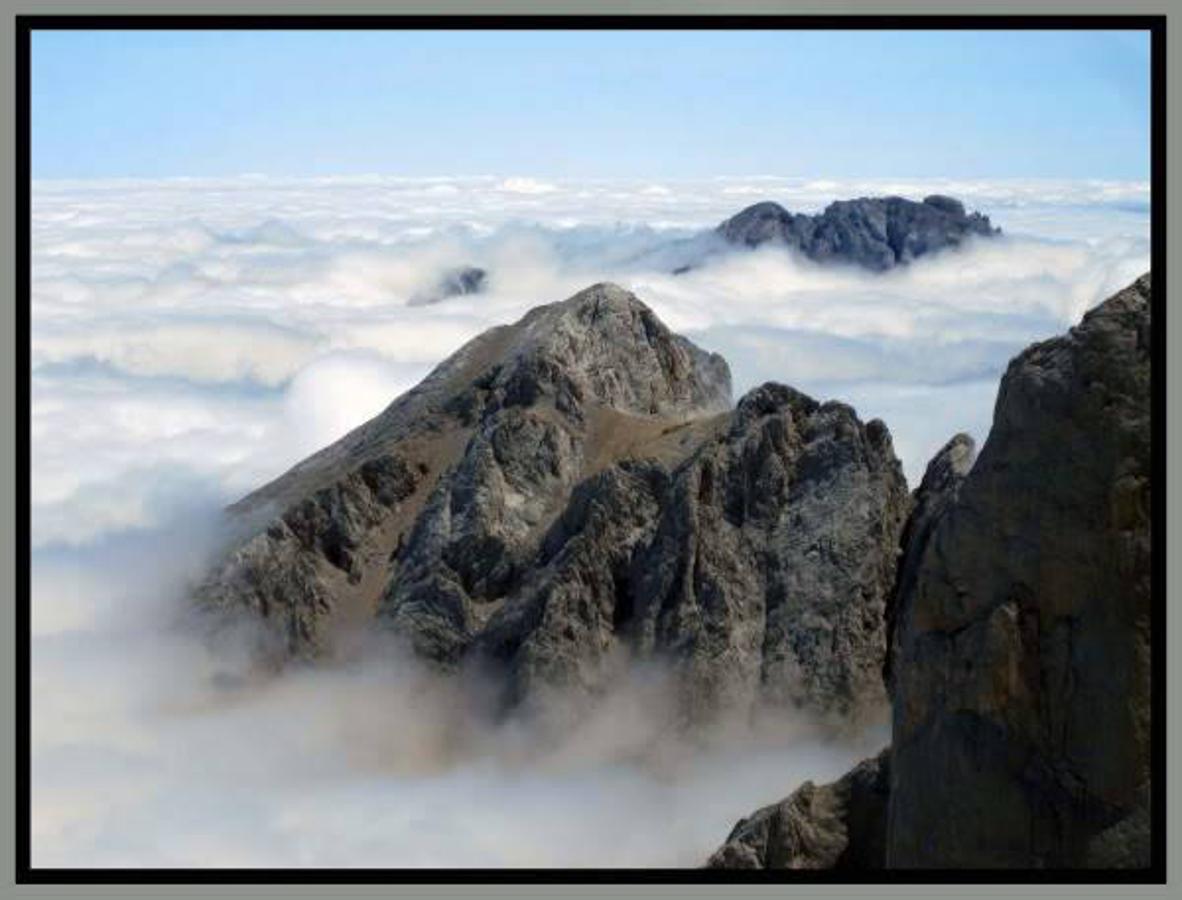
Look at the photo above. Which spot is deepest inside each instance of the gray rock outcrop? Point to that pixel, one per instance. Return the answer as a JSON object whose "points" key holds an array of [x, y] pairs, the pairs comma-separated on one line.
{"points": [[835, 826], [758, 565], [773, 558], [878, 233], [317, 547], [573, 492]]}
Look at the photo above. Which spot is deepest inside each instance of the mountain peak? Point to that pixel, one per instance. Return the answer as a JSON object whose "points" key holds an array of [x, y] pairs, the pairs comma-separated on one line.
{"points": [[605, 345], [602, 346], [537, 502]]}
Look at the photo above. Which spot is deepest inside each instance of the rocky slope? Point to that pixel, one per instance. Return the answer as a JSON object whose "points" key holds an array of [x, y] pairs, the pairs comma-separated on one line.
{"points": [[1020, 667], [878, 233], [317, 544], [758, 564], [835, 826], [572, 492]]}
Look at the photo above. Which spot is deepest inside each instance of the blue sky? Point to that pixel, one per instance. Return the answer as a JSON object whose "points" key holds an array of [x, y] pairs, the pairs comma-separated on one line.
{"points": [[591, 104]]}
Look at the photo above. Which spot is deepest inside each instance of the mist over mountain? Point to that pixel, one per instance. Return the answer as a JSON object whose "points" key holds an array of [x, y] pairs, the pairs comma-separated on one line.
{"points": [[194, 341], [594, 505], [537, 504]]}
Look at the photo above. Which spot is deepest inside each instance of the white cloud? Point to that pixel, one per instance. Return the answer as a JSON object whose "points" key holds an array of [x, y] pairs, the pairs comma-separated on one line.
{"points": [[526, 186], [201, 350], [193, 338], [333, 395]]}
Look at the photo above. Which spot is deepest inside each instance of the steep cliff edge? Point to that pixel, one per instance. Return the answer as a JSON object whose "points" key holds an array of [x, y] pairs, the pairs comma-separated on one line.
{"points": [[1020, 664]]}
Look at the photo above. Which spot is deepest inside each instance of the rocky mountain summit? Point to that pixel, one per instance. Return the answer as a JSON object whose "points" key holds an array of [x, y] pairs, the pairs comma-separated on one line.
{"points": [[1020, 632], [574, 492], [877, 233]]}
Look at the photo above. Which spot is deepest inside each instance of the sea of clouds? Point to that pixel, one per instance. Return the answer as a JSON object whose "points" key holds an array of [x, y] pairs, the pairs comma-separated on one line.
{"points": [[193, 338]]}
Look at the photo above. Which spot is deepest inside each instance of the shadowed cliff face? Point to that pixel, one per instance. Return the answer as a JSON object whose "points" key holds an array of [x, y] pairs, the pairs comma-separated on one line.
{"points": [[1020, 665], [878, 233], [570, 494]]}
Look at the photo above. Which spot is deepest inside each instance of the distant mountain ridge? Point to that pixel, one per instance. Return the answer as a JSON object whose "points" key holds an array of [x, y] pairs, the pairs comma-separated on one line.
{"points": [[877, 233], [873, 233]]}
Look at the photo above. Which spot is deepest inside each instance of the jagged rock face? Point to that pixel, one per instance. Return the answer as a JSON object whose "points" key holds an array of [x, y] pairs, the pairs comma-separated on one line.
{"points": [[537, 420], [1021, 674], [602, 346], [293, 572], [876, 232], [769, 570], [758, 567], [571, 493], [835, 826], [568, 628]]}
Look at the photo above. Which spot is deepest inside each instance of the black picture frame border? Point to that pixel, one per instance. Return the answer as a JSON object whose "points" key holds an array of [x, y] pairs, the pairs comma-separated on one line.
{"points": [[26, 24]]}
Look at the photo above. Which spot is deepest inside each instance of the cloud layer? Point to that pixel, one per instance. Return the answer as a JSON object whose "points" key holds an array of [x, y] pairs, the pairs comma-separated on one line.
{"points": [[193, 338], [151, 748]]}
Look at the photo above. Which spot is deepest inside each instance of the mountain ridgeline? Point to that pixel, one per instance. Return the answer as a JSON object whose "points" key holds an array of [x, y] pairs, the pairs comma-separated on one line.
{"points": [[874, 233], [575, 494]]}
